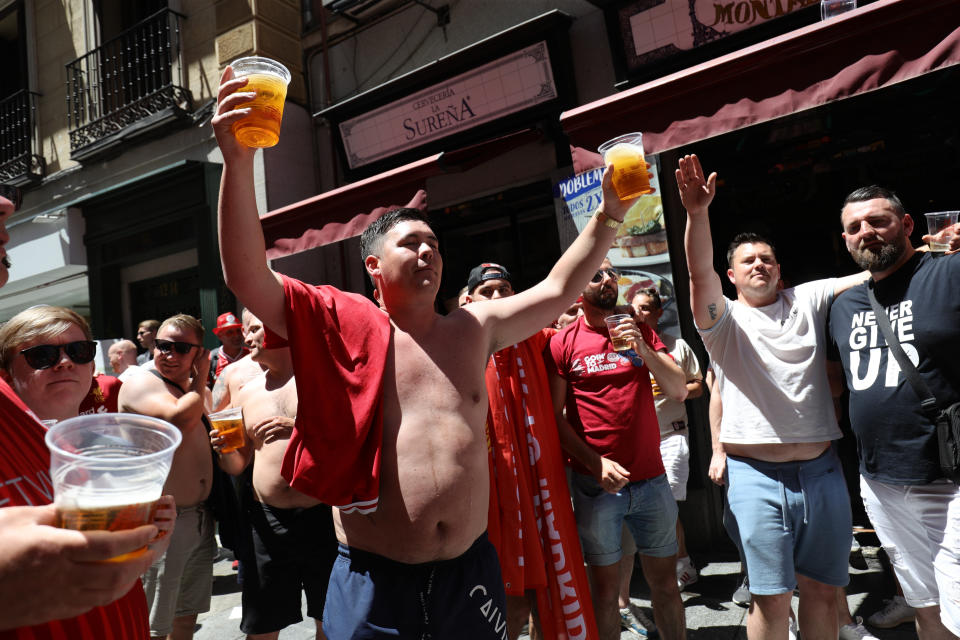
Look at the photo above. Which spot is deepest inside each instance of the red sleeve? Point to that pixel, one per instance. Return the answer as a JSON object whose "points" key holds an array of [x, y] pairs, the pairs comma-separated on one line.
{"points": [[553, 354], [651, 338]]}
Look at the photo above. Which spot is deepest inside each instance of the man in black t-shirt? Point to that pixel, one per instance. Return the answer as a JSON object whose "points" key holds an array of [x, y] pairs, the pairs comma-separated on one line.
{"points": [[915, 510]]}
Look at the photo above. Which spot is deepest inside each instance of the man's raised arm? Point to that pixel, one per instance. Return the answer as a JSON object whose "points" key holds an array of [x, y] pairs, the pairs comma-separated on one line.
{"points": [[242, 249], [516, 318], [696, 193]]}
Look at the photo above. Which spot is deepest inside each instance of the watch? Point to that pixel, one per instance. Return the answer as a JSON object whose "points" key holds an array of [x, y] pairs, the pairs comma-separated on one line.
{"points": [[606, 220]]}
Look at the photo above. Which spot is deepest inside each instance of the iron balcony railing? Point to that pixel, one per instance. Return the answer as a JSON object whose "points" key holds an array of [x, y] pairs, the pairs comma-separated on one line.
{"points": [[128, 79], [20, 159]]}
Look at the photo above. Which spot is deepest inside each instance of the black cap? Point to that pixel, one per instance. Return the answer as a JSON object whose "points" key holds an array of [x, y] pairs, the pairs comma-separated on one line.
{"points": [[487, 271]]}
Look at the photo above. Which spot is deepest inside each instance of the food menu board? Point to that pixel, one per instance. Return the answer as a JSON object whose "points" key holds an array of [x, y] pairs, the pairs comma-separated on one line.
{"points": [[640, 251]]}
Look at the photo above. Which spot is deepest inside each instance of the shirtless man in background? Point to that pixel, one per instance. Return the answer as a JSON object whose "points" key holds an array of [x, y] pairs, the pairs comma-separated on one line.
{"points": [[235, 374], [293, 545], [176, 391], [428, 408]]}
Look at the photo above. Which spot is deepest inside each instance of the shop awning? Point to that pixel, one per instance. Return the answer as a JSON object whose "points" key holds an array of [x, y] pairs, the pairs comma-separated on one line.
{"points": [[346, 211], [870, 48]]}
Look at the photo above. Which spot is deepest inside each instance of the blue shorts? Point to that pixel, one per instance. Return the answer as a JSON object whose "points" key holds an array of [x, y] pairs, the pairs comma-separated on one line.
{"points": [[371, 596], [647, 508], [789, 518]]}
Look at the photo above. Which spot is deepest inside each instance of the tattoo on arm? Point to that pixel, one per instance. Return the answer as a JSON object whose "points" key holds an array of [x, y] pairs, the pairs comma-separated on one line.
{"points": [[219, 388], [712, 308]]}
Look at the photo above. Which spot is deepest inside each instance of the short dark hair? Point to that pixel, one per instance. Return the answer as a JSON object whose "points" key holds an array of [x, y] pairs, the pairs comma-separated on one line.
{"points": [[652, 293], [747, 238], [371, 240], [872, 193]]}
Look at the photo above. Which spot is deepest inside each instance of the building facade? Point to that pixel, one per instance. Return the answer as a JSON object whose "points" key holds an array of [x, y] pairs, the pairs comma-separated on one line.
{"points": [[105, 125]]}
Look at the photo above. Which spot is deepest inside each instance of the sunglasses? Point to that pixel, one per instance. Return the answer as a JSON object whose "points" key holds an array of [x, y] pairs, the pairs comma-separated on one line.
{"points": [[598, 276], [13, 194], [44, 356], [183, 348]]}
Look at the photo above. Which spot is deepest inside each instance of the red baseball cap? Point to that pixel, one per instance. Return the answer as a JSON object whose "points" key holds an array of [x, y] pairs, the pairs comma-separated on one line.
{"points": [[226, 321]]}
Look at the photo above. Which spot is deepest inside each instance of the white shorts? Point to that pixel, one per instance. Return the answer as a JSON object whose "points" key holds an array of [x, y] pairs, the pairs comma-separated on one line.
{"points": [[675, 451], [919, 527]]}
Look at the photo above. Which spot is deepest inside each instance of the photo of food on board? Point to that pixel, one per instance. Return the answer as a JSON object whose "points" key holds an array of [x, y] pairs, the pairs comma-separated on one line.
{"points": [[642, 238]]}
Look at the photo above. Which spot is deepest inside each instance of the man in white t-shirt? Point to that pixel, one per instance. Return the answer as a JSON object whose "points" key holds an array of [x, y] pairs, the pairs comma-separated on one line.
{"points": [[788, 507]]}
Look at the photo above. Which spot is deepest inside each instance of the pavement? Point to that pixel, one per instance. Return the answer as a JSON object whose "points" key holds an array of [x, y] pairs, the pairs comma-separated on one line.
{"points": [[710, 613]]}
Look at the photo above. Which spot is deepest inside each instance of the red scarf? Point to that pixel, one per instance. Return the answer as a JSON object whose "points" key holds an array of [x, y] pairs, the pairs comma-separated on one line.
{"points": [[531, 521]]}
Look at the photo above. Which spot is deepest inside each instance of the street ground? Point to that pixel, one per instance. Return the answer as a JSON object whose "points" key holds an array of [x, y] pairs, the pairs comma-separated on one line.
{"points": [[710, 613]]}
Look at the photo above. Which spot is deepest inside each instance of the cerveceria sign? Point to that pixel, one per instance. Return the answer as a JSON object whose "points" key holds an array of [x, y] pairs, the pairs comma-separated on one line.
{"points": [[506, 85]]}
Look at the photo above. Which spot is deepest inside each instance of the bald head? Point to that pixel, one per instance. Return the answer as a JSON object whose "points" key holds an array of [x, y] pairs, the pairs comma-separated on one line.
{"points": [[122, 354]]}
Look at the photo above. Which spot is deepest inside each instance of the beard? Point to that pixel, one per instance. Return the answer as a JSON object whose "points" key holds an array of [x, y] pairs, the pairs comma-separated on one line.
{"points": [[880, 260], [602, 298]]}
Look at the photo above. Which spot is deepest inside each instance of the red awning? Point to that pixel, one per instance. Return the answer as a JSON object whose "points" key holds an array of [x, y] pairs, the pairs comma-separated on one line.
{"points": [[869, 48], [346, 211]]}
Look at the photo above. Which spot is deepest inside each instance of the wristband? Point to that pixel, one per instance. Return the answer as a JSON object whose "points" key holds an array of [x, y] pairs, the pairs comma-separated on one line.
{"points": [[606, 220]]}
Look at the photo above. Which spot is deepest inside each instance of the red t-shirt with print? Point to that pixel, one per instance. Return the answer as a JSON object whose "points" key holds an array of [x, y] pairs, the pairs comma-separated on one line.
{"points": [[609, 401]]}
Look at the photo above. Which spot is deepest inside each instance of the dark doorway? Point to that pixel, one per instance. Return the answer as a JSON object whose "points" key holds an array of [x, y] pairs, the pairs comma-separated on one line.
{"points": [[515, 227]]}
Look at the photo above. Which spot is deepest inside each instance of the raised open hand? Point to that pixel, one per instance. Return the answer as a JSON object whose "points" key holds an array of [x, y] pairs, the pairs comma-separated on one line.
{"points": [[696, 191]]}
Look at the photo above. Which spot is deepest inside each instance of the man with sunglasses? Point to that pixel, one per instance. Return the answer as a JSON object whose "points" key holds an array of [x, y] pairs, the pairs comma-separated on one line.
{"points": [[609, 428], [400, 389], [54, 582], [179, 584]]}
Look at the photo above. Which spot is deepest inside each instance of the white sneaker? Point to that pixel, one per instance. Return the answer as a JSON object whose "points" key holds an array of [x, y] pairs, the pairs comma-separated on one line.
{"points": [[856, 631], [895, 612], [686, 573]]}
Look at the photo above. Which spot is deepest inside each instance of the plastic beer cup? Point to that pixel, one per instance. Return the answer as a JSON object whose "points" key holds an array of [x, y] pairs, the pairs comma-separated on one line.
{"points": [[625, 153], [229, 423], [269, 78], [108, 470], [937, 222], [619, 344]]}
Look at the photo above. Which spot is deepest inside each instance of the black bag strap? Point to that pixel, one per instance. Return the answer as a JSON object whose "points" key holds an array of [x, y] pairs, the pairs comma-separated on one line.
{"points": [[929, 401]]}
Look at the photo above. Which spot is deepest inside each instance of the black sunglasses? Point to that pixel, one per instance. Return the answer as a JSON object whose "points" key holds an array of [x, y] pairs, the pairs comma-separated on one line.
{"points": [[183, 348], [13, 194], [598, 276], [44, 356]]}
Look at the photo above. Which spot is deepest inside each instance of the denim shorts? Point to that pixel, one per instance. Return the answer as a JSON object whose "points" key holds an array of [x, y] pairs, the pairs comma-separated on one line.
{"points": [[647, 507], [789, 518]]}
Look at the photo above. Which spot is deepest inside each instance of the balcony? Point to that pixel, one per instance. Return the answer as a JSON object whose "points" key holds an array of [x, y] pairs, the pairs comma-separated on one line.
{"points": [[130, 87], [20, 159]]}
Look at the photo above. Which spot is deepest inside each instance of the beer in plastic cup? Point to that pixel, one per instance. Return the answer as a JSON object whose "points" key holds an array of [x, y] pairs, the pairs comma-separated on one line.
{"points": [[229, 423], [937, 222], [269, 78], [619, 344], [108, 470], [625, 153]]}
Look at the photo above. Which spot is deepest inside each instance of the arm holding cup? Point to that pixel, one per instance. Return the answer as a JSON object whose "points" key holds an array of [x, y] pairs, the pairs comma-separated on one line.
{"points": [[53, 573], [242, 247], [669, 375]]}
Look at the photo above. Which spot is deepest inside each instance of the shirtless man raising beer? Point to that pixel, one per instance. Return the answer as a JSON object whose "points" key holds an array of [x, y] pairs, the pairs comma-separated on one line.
{"points": [[414, 558], [293, 545], [181, 580]]}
